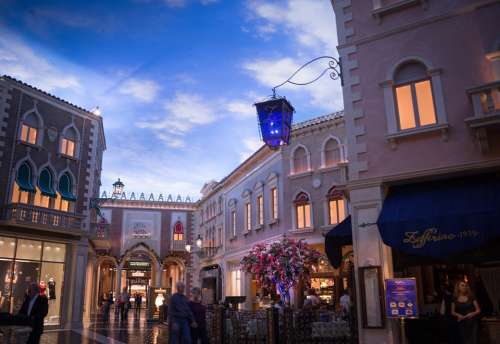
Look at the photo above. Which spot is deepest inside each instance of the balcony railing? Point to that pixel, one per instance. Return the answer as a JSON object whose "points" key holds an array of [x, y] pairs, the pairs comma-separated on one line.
{"points": [[486, 103], [209, 252], [178, 245], [485, 100], [42, 218]]}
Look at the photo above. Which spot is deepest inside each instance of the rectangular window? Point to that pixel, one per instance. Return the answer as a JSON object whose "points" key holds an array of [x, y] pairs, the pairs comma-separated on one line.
{"points": [[41, 200], [233, 222], [220, 236], [260, 210], [68, 147], [415, 105], [425, 102], [336, 211], [405, 107], [248, 216], [274, 203], [303, 216], [19, 196], [178, 236], [61, 204], [28, 134], [236, 282]]}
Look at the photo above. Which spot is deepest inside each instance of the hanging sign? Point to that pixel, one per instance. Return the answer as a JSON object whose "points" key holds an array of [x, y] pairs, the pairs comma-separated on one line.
{"points": [[401, 298]]}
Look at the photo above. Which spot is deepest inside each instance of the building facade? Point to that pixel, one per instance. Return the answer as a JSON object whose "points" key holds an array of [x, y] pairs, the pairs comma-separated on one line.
{"points": [[426, 112], [50, 165], [296, 191], [140, 244]]}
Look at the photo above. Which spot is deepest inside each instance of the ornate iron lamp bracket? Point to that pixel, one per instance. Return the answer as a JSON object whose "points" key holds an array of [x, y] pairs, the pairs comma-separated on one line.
{"points": [[334, 66]]}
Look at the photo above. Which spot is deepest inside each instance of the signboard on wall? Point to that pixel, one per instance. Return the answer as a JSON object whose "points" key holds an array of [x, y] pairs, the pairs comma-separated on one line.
{"points": [[141, 226], [401, 298]]}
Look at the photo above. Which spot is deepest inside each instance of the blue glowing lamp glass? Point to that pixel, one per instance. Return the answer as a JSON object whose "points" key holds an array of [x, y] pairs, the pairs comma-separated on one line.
{"points": [[275, 121]]}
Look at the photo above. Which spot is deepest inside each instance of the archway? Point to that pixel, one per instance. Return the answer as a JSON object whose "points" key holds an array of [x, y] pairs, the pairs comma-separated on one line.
{"points": [[173, 270]]}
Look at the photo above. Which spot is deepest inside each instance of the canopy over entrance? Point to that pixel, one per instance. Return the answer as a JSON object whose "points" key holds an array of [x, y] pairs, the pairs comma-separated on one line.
{"points": [[442, 218], [337, 237]]}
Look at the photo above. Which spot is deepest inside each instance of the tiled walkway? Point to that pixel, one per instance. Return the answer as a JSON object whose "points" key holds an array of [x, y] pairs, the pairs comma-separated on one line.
{"points": [[135, 330]]}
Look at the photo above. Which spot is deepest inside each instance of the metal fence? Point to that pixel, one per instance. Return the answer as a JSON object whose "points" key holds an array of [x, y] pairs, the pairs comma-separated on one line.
{"points": [[279, 326]]}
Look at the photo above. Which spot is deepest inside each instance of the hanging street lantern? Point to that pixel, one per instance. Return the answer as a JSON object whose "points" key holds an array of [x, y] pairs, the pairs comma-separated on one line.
{"points": [[275, 121], [275, 114]]}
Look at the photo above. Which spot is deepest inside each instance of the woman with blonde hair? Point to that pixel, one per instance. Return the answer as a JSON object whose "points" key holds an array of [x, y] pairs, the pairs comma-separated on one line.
{"points": [[466, 310]]}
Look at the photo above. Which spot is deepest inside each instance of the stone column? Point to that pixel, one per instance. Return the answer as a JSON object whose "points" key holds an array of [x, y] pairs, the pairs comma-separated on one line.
{"points": [[369, 250], [75, 284]]}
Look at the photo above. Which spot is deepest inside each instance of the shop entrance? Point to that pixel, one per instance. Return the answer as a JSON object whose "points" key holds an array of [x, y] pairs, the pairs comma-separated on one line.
{"points": [[138, 278]]}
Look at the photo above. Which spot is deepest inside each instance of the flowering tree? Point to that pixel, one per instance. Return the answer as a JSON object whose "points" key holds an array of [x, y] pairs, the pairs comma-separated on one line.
{"points": [[282, 263]]}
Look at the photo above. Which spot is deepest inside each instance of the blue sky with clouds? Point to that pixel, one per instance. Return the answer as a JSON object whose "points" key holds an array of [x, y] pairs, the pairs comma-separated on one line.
{"points": [[175, 79]]}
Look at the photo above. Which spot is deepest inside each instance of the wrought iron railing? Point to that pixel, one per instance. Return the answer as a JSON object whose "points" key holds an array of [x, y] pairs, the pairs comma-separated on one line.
{"points": [[209, 252], [29, 215]]}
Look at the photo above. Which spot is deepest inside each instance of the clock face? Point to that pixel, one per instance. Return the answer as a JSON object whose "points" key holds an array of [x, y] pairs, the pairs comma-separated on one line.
{"points": [[316, 183]]}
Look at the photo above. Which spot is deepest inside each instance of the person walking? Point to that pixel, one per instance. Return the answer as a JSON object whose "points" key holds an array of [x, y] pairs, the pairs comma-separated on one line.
{"points": [[180, 317], [105, 306], [198, 333], [466, 310], [138, 302], [35, 307], [124, 304]]}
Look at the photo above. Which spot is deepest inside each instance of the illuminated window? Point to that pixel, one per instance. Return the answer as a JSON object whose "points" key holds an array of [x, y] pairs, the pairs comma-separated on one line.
{"points": [[233, 222], [414, 97], [260, 210], [248, 216], [332, 153], [29, 129], [236, 283], [68, 142], [178, 231], [274, 203], [303, 211], [40, 199], [65, 197], [19, 196], [300, 160], [336, 207]]}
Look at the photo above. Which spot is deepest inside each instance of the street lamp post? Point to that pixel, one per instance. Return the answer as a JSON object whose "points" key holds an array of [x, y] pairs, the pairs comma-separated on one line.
{"points": [[275, 114]]}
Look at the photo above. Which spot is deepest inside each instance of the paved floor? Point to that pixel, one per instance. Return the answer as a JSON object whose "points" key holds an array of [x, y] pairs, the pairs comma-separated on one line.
{"points": [[135, 330]]}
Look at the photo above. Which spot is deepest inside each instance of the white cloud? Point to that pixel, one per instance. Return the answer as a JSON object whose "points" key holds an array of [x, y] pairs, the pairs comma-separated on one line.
{"points": [[184, 112], [143, 90], [311, 26], [250, 146], [20, 61], [311, 23], [241, 108]]}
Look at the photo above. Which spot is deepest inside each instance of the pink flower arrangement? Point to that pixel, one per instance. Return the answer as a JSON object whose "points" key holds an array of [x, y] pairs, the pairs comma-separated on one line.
{"points": [[281, 263]]}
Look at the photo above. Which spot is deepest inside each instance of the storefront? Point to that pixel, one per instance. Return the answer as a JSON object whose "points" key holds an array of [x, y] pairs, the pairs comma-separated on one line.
{"points": [[23, 262], [443, 232], [211, 284]]}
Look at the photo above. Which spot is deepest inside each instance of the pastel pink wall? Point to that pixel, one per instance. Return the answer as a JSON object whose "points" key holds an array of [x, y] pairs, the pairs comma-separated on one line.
{"points": [[458, 45]]}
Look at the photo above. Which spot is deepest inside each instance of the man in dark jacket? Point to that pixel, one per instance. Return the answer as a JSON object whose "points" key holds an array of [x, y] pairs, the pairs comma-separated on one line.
{"points": [[35, 308], [199, 312], [180, 317]]}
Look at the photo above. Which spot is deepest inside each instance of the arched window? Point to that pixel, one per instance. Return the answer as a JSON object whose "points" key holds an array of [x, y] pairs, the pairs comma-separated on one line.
{"points": [[336, 206], [65, 196], [23, 186], [178, 231], [302, 211], [29, 129], [414, 97], [69, 142], [332, 153], [44, 189], [300, 160]]}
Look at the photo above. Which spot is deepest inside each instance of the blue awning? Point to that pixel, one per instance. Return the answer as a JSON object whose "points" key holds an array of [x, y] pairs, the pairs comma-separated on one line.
{"points": [[441, 218], [337, 237]]}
